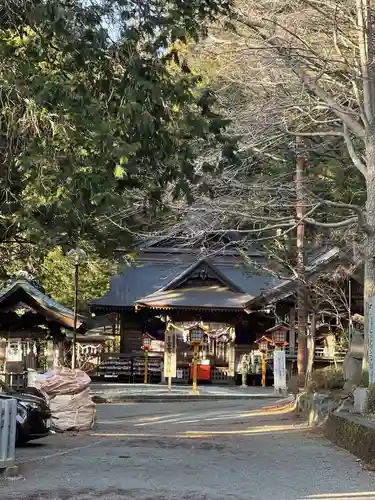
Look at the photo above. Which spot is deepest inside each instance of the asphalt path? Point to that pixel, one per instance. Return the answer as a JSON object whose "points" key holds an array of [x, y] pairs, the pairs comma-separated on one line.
{"points": [[188, 451]]}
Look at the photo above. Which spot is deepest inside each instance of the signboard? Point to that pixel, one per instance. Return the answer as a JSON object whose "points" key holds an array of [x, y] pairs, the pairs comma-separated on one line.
{"points": [[13, 352], [157, 346], [279, 370], [170, 365], [231, 353], [116, 366], [128, 367], [170, 356]]}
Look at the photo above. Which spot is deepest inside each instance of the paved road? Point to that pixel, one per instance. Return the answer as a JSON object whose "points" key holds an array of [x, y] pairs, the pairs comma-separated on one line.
{"points": [[178, 390], [190, 451]]}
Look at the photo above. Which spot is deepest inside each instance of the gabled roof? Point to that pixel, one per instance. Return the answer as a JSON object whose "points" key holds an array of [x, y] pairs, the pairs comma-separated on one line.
{"points": [[23, 291], [142, 283], [134, 282], [204, 264], [275, 328], [205, 297]]}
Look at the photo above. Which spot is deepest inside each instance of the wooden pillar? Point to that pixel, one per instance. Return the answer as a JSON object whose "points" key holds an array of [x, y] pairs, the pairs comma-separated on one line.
{"points": [[122, 334], [292, 331], [50, 354], [232, 352], [3, 345]]}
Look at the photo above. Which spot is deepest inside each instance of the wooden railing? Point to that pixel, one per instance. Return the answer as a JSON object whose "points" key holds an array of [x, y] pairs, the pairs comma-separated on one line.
{"points": [[336, 353], [16, 381], [321, 353]]}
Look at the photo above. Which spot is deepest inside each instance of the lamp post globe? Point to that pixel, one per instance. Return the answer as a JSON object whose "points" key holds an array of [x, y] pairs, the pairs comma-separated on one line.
{"points": [[77, 256]]}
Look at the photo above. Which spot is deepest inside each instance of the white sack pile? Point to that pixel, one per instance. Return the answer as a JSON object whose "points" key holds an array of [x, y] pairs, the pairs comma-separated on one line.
{"points": [[69, 398]]}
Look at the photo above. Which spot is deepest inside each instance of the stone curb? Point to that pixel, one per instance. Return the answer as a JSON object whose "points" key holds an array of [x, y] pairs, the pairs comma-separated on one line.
{"points": [[160, 398], [11, 472], [353, 433]]}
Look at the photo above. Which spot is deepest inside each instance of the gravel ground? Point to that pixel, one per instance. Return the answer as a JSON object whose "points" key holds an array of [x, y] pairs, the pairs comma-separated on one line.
{"points": [[189, 451]]}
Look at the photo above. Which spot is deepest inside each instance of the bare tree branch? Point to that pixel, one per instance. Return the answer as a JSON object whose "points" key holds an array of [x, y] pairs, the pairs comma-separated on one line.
{"points": [[333, 225], [329, 133], [352, 153], [344, 114]]}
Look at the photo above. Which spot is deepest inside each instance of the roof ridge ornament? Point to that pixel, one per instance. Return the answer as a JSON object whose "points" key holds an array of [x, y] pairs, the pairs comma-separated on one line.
{"points": [[203, 274]]}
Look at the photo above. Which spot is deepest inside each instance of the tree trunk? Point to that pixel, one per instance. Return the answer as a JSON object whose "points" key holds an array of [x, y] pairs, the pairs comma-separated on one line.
{"points": [[300, 264], [369, 275]]}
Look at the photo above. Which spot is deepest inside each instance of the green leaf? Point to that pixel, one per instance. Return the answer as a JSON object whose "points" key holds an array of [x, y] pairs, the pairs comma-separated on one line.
{"points": [[91, 123]]}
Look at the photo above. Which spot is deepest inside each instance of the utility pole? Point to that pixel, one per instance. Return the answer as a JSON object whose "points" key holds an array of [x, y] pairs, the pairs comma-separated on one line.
{"points": [[300, 264]]}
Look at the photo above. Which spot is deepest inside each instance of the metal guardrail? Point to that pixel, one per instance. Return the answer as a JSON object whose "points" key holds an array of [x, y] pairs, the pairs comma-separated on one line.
{"points": [[8, 414]]}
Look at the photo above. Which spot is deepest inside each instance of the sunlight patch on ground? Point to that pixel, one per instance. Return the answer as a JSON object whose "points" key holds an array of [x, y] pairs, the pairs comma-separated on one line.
{"points": [[180, 418], [196, 434], [139, 435], [253, 430], [164, 421], [160, 417], [343, 496]]}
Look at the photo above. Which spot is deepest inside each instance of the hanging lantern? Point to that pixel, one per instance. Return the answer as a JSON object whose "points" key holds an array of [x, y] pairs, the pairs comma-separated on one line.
{"points": [[263, 345], [146, 342], [279, 336], [278, 333], [195, 335]]}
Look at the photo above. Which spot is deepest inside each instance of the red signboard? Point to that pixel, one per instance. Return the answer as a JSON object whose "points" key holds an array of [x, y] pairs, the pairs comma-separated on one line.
{"points": [[204, 372]]}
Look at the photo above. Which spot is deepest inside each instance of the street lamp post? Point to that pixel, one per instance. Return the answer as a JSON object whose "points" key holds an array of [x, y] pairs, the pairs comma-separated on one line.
{"points": [[263, 346], [195, 339], [146, 346], [76, 257]]}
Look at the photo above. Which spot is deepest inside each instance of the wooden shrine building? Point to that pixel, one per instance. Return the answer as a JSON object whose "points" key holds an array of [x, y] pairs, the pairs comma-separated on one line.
{"points": [[33, 328], [181, 287], [235, 303]]}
